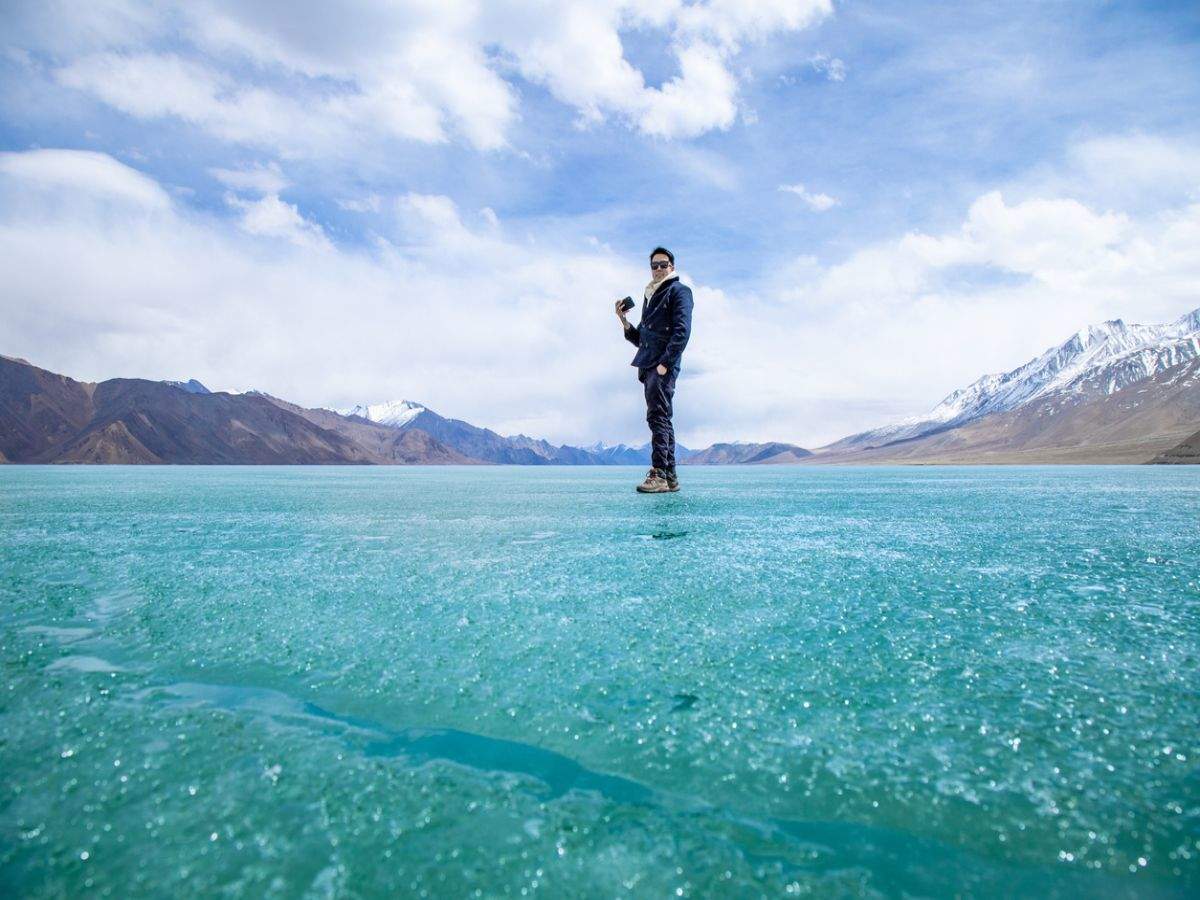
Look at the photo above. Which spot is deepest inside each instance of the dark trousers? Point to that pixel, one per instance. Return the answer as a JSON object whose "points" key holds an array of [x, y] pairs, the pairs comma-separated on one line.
{"points": [[660, 389]]}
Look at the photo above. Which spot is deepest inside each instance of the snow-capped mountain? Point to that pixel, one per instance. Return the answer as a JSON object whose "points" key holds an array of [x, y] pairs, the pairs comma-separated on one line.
{"points": [[600, 448], [625, 455], [488, 446], [474, 442], [1094, 362], [241, 392], [397, 413], [192, 386]]}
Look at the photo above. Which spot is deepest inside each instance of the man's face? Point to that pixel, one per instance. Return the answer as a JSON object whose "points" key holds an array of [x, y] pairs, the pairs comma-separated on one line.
{"points": [[660, 267]]}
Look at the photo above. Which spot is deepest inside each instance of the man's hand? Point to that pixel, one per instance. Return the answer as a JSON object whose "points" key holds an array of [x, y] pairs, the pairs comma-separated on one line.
{"points": [[620, 312], [662, 370]]}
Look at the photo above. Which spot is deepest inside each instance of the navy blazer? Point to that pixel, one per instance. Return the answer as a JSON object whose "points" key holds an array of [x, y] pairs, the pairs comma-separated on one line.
{"points": [[665, 327]]}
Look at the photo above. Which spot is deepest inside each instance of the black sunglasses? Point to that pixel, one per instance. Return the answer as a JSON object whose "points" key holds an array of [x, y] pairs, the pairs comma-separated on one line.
{"points": [[660, 265]]}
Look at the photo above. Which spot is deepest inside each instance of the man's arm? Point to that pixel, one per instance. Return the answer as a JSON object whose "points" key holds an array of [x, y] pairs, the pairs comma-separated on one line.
{"points": [[681, 327], [631, 331]]}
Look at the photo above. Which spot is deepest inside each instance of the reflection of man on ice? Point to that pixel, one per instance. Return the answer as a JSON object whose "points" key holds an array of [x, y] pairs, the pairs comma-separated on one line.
{"points": [[660, 337]]}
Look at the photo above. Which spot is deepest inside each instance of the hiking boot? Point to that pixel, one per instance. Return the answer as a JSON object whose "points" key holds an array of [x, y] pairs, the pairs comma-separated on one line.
{"points": [[670, 479], [654, 483]]}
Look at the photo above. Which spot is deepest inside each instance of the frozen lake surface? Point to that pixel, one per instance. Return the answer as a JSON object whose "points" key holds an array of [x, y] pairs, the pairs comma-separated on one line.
{"points": [[488, 681]]}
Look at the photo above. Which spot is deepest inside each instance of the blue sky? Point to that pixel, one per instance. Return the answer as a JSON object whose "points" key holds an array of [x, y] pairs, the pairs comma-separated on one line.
{"points": [[875, 202]]}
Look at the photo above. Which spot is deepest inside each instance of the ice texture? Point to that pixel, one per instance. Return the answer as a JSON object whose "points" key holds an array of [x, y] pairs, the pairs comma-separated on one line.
{"points": [[497, 681]]}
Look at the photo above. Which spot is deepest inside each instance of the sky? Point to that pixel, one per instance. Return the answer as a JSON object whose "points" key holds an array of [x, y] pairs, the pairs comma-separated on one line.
{"points": [[874, 203]]}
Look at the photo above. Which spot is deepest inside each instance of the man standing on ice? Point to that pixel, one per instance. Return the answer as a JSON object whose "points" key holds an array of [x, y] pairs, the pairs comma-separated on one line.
{"points": [[660, 337]]}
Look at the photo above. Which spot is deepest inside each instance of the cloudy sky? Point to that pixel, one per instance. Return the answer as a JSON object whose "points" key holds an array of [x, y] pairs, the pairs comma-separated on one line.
{"points": [[875, 202]]}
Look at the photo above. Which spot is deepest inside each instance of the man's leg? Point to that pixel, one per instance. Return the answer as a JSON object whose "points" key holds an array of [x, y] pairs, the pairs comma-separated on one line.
{"points": [[655, 483], [671, 431], [669, 390], [660, 391]]}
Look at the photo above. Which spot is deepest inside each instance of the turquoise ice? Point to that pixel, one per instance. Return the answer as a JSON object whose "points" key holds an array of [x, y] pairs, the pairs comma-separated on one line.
{"points": [[501, 681]]}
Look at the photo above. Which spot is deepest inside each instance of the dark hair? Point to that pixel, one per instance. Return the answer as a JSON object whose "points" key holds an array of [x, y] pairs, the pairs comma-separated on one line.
{"points": [[663, 250]]}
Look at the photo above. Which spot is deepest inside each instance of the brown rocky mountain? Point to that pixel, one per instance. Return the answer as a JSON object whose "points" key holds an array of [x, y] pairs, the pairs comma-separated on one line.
{"points": [[748, 454], [39, 409], [147, 421], [1131, 425], [45, 417], [408, 447], [1097, 360], [485, 445], [1185, 453]]}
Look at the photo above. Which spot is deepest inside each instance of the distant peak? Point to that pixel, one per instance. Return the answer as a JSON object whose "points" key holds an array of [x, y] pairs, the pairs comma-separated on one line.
{"points": [[1103, 329], [192, 386], [1103, 352], [1190, 321], [395, 413]]}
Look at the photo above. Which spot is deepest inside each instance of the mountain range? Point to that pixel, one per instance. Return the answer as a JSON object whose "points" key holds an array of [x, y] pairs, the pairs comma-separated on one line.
{"points": [[48, 417], [1110, 393]]}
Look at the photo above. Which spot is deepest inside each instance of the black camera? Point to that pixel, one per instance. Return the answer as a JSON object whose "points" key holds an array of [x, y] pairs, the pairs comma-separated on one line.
{"points": [[627, 304]]}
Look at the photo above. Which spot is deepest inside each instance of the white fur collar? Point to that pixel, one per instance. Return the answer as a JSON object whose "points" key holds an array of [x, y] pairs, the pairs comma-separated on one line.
{"points": [[655, 285]]}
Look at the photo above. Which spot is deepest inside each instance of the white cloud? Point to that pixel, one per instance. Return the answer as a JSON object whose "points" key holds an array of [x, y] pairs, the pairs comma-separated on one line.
{"points": [[730, 22], [832, 68], [1128, 171], [259, 179], [148, 85], [702, 98], [1057, 241], [271, 217], [158, 85], [577, 53], [65, 28], [816, 202], [903, 322], [705, 166], [465, 313], [574, 50], [313, 83], [1141, 160], [472, 320], [370, 203], [84, 173]]}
